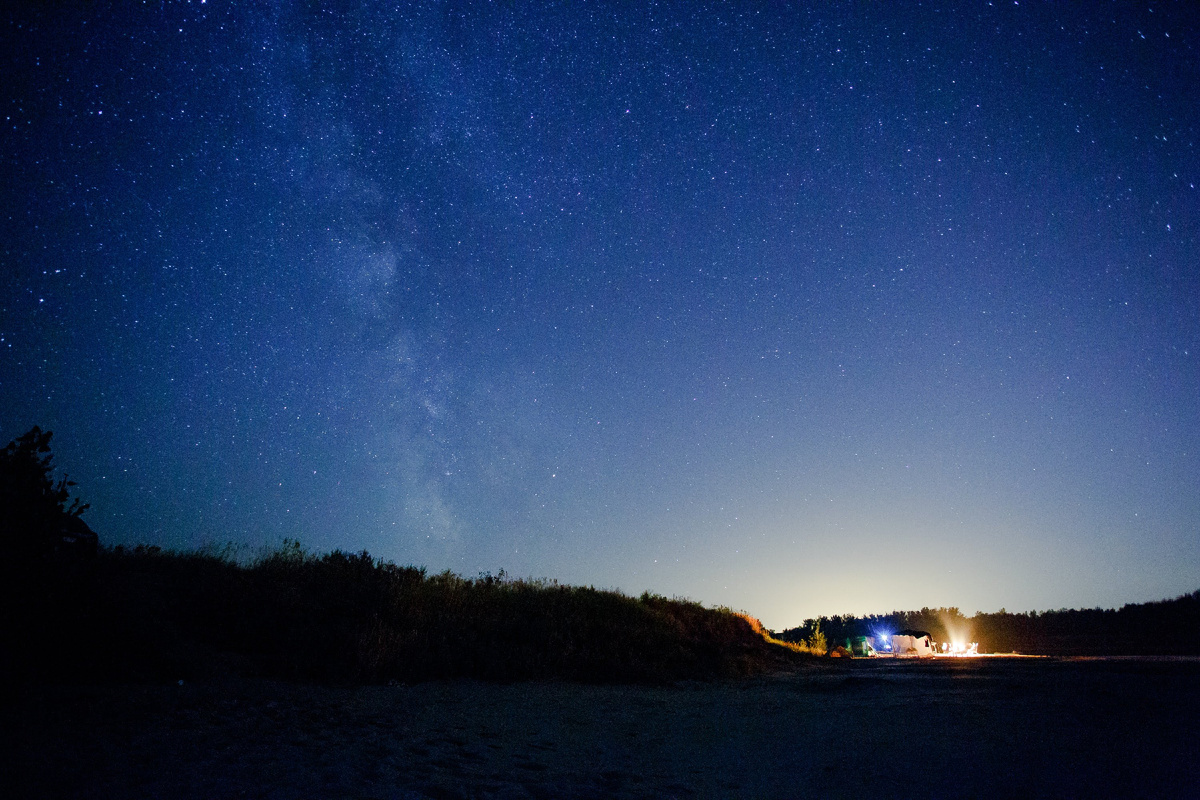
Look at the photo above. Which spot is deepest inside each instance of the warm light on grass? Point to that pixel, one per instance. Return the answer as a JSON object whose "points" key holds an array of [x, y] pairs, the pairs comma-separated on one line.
{"points": [[815, 645]]}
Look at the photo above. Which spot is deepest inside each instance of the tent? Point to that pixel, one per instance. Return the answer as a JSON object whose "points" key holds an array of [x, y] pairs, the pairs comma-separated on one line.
{"points": [[912, 643], [860, 646]]}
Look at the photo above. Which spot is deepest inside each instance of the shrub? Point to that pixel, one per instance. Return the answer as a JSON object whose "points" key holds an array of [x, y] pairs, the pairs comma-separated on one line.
{"points": [[816, 643], [35, 517]]}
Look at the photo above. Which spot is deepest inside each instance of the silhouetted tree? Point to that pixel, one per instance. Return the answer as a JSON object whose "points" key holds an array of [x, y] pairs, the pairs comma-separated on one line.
{"points": [[37, 515], [47, 567]]}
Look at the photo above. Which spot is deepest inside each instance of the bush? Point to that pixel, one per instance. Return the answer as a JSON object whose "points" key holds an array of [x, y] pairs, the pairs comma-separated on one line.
{"points": [[47, 556], [36, 521], [816, 643]]}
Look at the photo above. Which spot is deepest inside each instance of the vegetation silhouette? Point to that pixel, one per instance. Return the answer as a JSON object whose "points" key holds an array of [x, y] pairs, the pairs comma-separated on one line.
{"points": [[47, 561], [77, 611], [36, 521], [348, 617]]}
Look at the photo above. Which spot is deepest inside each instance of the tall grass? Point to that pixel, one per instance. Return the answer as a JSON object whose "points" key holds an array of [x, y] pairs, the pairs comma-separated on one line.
{"points": [[144, 613]]}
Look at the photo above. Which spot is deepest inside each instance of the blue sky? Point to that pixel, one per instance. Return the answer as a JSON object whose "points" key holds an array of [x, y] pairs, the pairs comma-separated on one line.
{"points": [[797, 310]]}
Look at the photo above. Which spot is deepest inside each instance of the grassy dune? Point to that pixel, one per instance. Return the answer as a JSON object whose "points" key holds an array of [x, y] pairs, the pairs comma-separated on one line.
{"points": [[148, 614]]}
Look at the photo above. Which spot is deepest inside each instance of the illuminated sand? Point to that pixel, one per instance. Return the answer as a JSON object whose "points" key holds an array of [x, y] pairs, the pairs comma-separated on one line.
{"points": [[946, 727]]}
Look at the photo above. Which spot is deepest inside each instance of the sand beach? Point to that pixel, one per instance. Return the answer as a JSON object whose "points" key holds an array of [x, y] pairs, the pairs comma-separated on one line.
{"points": [[945, 728]]}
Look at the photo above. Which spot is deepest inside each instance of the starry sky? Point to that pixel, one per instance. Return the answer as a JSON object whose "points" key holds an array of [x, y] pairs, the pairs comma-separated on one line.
{"points": [[797, 308]]}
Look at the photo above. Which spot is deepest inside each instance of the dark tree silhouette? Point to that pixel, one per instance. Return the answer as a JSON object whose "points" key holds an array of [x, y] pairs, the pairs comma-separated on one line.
{"points": [[38, 518], [48, 565]]}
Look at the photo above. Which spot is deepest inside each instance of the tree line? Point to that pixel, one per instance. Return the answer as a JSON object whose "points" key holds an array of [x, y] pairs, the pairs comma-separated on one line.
{"points": [[1164, 627]]}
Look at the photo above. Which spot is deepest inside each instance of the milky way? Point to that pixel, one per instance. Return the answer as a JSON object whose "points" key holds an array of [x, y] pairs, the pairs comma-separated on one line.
{"points": [[798, 310]]}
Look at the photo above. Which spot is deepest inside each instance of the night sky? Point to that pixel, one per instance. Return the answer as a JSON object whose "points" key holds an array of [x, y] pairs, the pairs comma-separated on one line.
{"points": [[842, 309]]}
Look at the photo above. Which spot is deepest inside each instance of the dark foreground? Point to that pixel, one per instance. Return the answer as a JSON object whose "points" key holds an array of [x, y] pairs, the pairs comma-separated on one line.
{"points": [[950, 728]]}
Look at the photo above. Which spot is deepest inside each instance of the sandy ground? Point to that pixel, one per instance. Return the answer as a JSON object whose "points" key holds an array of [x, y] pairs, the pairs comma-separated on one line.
{"points": [[949, 728]]}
